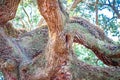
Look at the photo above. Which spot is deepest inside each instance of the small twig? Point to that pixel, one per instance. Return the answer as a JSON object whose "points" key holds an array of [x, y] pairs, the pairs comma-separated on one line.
{"points": [[96, 10], [75, 3], [27, 16], [41, 22]]}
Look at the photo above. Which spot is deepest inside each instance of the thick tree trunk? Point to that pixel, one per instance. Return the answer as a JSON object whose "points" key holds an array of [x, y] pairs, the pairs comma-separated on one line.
{"points": [[28, 58], [59, 43], [34, 68]]}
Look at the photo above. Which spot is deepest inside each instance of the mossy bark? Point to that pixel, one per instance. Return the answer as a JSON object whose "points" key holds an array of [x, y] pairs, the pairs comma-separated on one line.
{"points": [[30, 57]]}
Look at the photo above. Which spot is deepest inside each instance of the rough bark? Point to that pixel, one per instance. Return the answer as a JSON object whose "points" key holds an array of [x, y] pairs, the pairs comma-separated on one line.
{"points": [[93, 37], [57, 66], [8, 10], [32, 69], [28, 58]]}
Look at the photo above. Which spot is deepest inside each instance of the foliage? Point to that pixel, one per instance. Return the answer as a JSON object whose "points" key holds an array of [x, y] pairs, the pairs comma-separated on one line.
{"points": [[86, 55], [0, 73], [27, 15]]}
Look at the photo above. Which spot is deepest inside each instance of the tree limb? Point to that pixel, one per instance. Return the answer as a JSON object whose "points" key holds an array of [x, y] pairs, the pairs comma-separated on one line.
{"points": [[37, 62], [90, 36], [95, 39], [8, 11]]}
